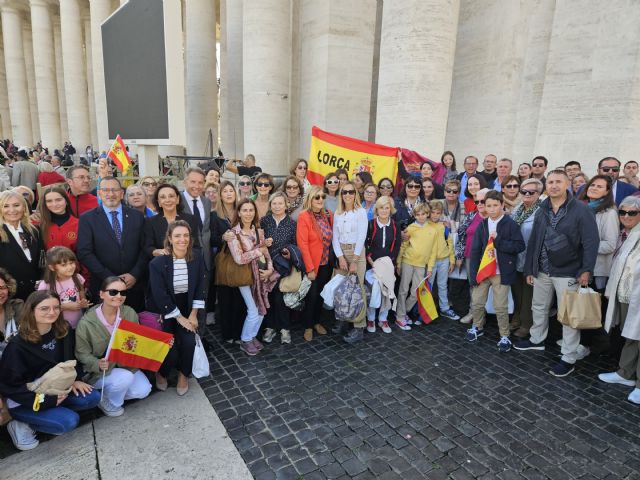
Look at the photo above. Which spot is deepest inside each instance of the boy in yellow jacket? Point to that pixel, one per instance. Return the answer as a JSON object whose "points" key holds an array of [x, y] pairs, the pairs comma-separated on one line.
{"points": [[445, 259], [416, 253]]}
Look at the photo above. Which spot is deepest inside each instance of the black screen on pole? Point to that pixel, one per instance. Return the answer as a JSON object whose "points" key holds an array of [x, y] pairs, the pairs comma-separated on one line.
{"points": [[135, 71]]}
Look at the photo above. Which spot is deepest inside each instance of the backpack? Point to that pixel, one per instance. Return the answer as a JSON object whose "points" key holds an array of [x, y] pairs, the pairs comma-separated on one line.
{"points": [[349, 300]]}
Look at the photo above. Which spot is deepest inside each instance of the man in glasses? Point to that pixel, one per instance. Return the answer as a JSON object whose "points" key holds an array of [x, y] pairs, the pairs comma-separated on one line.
{"points": [[561, 255], [539, 167], [79, 183], [610, 166], [572, 168], [109, 243]]}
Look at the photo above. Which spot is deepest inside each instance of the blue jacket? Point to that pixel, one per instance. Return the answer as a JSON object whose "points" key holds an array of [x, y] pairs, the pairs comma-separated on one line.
{"points": [[508, 244]]}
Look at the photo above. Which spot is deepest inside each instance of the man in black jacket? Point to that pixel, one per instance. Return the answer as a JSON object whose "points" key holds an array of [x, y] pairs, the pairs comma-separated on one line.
{"points": [[561, 255], [110, 243]]}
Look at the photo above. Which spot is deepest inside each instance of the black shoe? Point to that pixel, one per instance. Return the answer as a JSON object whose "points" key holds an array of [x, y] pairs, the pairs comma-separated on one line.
{"points": [[340, 328], [354, 335], [562, 369]]}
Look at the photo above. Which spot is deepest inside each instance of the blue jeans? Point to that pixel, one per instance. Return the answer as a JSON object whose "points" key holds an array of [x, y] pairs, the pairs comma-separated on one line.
{"points": [[60, 419], [441, 275]]}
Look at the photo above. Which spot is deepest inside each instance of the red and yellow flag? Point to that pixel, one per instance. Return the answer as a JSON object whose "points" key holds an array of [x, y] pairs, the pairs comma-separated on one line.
{"points": [[488, 264], [330, 151], [118, 153], [426, 305], [136, 346]]}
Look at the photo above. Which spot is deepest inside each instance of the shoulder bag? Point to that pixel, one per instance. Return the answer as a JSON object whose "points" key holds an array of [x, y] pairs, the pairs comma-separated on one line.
{"points": [[228, 272]]}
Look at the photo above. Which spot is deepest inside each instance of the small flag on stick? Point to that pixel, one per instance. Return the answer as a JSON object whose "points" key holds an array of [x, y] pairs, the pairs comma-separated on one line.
{"points": [[488, 264], [118, 153], [136, 346], [426, 305]]}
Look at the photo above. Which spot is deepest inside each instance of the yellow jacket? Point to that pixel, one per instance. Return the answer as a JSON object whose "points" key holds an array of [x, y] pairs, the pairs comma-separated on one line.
{"points": [[421, 248], [444, 246]]}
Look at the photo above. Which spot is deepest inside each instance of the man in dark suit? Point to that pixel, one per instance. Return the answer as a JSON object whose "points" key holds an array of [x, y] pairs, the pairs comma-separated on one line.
{"points": [[110, 243], [610, 166]]}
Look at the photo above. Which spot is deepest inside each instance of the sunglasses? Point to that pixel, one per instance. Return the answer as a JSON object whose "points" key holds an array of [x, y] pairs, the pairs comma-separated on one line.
{"points": [[537, 165], [627, 213], [513, 185], [320, 196], [332, 182], [113, 292], [348, 192], [414, 186], [387, 187], [528, 193], [263, 184], [292, 187], [610, 169], [244, 184], [149, 184], [449, 190], [479, 202], [301, 167]]}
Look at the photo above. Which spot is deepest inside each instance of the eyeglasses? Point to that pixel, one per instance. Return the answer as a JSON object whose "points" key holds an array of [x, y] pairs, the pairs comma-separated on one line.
{"points": [[512, 185], [149, 184], [449, 190], [320, 196], [414, 186], [528, 193], [348, 192], [537, 164], [244, 184], [4, 287], [301, 167], [55, 308], [110, 190], [332, 182], [113, 292], [292, 187], [386, 187], [479, 202], [610, 169], [82, 177], [369, 192], [621, 213], [263, 184]]}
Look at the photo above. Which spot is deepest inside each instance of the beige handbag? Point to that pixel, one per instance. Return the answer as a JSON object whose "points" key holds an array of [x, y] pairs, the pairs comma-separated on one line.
{"points": [[581, 309], [291, 283], [57, 381]]}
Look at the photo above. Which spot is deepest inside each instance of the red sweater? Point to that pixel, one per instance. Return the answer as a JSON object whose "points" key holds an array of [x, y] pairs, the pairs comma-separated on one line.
{"points": [[63, 236], [309, 240], [82, 203]]}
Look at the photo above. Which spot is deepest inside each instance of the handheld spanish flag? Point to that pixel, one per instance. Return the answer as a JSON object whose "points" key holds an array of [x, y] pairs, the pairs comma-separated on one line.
{"points": [[426, 305], [488, 264], [118, 153], [330, 151], [136, 346]]}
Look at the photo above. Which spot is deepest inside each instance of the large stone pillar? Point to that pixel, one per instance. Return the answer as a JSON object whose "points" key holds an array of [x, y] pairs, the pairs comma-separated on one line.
{"points": [[201, 78], [46, 87], [266, 71], [75, 78], [17, 88], [27, 43], [100, 10], [5, 116], [62, 103], [91, 96], [417, 49], [231, 110]]}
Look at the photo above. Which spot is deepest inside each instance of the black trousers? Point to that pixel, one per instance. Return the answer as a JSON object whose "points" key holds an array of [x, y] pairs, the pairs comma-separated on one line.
{"points": [[232, 312], [313, 311], [278, 315], [180, 355]]}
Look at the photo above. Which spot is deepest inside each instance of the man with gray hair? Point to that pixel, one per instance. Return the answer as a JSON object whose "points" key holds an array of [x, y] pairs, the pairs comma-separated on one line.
{"points": [[505, 166]]}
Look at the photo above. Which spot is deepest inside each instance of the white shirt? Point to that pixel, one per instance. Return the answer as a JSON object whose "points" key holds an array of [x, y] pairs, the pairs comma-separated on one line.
{"points": [[382, 226], [350, 228], [16, 234], [493, 226], [199, 203], [180, 276]]}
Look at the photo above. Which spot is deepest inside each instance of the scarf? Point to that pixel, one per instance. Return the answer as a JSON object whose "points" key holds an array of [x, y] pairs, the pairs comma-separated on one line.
{"points": [[410, 206], [522, 213], [595, 204], [292, 206]]}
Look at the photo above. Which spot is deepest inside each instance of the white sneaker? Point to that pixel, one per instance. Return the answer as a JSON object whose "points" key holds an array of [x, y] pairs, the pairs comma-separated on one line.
{"points": [[582, 352], [468, 318], [109, 409], [269, 333], [634, 396], [384, 325], [22, 435], [285, 336], [211, 319], [613, 377], [371, 326]]}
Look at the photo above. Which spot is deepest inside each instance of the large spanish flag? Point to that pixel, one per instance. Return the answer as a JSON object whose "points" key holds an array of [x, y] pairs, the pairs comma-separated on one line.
{"points": [[330, 151], [118, 153], [426, 305], [136, 346], [488, 265]]}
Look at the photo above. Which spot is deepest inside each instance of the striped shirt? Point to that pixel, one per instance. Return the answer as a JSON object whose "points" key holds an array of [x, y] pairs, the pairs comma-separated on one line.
{"points": [[180, 276]]}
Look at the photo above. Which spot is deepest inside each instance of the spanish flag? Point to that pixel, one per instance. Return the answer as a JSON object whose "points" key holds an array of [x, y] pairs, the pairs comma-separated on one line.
{"points": [[488, 264], [426, 305], [118, 153], [330, 151], [136, 346]]}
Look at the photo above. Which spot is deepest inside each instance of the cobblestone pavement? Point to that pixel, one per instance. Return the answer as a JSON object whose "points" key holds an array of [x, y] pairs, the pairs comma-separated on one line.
{"points": [[421, 404]]}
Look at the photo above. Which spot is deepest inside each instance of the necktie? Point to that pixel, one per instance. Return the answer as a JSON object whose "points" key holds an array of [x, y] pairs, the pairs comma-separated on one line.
{"points": [[116, 225], [196, 213]]}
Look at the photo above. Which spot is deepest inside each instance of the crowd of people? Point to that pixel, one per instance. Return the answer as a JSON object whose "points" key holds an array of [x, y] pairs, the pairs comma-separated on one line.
{"points": [[259, 257]]}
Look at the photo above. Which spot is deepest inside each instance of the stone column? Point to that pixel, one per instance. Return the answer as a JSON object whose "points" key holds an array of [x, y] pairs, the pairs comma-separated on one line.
{"points": [[27, 43], [45, 75], [417, 49], [231, 110], [5, 116], [62, 103], [266, 71], [91, 96], [201, 86], [75, 78], [17, 89], [100, 10]]}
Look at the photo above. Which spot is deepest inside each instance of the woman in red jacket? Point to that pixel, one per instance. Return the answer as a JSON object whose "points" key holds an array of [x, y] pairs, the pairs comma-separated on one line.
{"points": [[314, 234], [58, 227]]}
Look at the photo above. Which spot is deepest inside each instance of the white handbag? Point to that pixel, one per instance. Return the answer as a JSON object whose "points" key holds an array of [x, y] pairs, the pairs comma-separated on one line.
{"points": [[200, 366]]}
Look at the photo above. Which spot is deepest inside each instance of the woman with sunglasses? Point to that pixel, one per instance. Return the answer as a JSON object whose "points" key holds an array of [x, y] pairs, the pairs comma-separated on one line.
{"points": [[466, 231], [370, 196], [475, 183], [245, 187], [448, 159], [93, 335], [293, 189], [264, 187], [623, 292], [331, 187], [20, 243], [510, 193], [386, 187], [410, 196], [149, 185], [453, 210], [43, 341], [299, 170], [178, 294], [314, 234], [523, 215]]}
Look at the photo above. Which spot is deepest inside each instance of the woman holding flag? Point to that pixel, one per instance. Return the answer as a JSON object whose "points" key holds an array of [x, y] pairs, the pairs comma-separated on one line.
{"points": [[93, 335]]}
